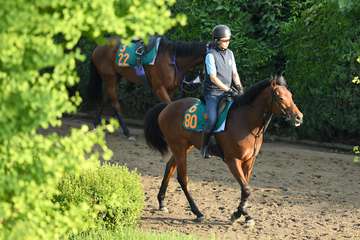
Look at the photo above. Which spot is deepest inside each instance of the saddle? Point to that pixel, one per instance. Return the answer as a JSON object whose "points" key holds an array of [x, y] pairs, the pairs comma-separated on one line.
{"points": [[137, 53], [195, 116], [141, 48]]}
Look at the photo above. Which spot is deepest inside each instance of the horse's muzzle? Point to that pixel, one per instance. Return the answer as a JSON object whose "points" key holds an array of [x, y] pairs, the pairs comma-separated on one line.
{"points": [[297, 119]]}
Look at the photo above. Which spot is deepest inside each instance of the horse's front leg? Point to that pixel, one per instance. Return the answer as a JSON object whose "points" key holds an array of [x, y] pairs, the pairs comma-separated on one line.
{"points": [[237, 168], [242, 210]]}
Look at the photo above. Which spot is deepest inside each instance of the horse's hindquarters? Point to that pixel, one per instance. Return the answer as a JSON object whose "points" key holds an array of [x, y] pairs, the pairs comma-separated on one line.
{"points": [[171, 124]]}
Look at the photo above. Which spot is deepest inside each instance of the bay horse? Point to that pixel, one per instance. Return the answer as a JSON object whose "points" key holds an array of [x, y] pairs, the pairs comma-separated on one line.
{"points": [[240, 142], [173, 61]]}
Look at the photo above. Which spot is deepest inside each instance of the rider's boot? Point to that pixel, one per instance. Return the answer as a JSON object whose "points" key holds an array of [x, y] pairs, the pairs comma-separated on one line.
{"points": [[205, 144]]}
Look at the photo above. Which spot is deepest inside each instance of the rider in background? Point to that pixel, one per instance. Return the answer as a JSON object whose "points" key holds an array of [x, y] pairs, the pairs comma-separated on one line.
{"points": [[220, 72]]}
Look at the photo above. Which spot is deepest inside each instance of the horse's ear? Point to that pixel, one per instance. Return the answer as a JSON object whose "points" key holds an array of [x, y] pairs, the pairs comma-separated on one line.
{"points": [[273, 82], [280, 78]]}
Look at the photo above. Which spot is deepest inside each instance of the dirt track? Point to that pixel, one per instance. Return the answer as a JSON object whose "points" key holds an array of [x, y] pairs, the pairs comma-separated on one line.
{"points": [[297, 192]]}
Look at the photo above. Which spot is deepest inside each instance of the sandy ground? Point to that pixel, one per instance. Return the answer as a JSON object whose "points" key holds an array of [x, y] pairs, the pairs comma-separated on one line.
{"points": [[297, 192]]}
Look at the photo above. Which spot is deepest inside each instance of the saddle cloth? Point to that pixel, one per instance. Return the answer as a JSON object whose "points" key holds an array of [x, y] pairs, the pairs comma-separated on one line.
{"points": [[128, 56], [195, 116]]}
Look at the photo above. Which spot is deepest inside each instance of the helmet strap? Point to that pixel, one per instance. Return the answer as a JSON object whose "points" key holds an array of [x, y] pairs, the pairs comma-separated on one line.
{"points": [[220, 48], [217, 46]]}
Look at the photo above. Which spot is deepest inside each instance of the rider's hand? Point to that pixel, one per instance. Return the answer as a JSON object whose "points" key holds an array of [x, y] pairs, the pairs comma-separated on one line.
{"points": [[240, 89], [231, 92]]}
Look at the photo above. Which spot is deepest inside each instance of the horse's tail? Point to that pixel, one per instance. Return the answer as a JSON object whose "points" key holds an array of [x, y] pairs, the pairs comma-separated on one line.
{"points": [[153, 135], [95, 84]]}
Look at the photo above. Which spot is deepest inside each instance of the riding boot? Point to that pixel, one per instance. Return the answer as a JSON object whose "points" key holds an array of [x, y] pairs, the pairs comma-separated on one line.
{"points": [[205, 144]]}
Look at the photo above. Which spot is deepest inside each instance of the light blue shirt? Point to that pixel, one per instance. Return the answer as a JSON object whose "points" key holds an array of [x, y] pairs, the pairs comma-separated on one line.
{"points": [[210, 64]]}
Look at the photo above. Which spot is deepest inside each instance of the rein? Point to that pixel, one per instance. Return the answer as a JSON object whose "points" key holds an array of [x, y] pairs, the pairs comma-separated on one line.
{"points": [[177, 71], [266, 120]]}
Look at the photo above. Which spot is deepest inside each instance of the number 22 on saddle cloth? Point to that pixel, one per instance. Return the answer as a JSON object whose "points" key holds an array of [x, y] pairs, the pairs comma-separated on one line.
{"points": [[195, 117], [128, 56]]}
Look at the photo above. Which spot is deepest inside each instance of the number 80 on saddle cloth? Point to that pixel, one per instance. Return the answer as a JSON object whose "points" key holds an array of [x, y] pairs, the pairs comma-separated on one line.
{"points": [[195, 116]]}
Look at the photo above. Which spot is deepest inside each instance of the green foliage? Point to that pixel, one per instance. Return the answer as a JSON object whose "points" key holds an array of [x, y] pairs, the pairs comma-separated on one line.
{"points": [[114, 195], [356, 79], [37, 63], [251, 53], [30, 167], [320, 47], [357, 152], [357, 148], [132, 234]]}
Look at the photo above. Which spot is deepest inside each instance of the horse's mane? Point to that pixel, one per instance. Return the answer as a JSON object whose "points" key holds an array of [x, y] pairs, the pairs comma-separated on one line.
{"points": [[251, 93], [184, 49]]}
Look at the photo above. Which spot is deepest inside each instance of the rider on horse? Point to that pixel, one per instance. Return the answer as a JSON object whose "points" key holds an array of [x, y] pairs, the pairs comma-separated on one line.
{"points": [[220, 72]]}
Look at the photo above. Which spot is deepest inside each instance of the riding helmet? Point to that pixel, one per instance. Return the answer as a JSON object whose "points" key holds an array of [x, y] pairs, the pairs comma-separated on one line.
{"points": [[221, 31]]}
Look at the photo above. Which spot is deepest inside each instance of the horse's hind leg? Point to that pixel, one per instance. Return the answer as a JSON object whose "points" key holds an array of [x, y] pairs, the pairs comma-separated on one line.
{"points": [[169, 172], [182, 178], [111, 89], [99, 108]]}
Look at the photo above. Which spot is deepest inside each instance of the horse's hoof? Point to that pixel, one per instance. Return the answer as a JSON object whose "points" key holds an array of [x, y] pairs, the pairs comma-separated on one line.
{"points": [[164, 209], [199, 219], [132, 138], [234, 217], [249, 223]]}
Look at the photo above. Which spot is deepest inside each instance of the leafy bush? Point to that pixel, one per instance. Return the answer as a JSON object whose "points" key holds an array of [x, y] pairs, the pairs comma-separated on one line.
{"points": [[320, 47], [357, 153], [251, 53], [129, 233], [114, 194], [37, 64]]}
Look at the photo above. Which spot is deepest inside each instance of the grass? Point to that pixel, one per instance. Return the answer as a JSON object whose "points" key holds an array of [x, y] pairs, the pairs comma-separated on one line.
{"points": [[131, 234]]}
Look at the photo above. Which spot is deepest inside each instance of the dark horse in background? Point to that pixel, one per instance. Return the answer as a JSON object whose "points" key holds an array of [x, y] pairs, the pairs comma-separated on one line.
{"points": [[239, 144], [173, 61]]}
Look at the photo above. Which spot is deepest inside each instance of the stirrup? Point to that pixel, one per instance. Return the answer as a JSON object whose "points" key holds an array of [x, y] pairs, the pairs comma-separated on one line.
{"points": [[205, 145], [205, 153]]}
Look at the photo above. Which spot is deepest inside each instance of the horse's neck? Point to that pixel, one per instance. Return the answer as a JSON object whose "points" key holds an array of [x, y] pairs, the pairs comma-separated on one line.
{"points": [[259, 111], [188, 62], [196, 57]]}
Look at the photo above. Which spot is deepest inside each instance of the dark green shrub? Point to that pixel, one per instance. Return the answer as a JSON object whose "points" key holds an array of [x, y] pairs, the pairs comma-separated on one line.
{"points": [[252, 54], [114, 194], [321, 47]]}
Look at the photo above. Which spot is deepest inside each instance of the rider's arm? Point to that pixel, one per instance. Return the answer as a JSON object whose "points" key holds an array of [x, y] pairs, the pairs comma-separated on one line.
{"points": [[235, 75], [211, 70]]}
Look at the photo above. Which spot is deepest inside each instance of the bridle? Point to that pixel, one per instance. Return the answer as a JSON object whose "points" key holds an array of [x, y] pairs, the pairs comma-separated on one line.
{"points": [[275, 99]]}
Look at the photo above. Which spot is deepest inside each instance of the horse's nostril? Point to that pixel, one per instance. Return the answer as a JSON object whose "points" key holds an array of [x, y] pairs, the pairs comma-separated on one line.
{"points": [[299, 119]]}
